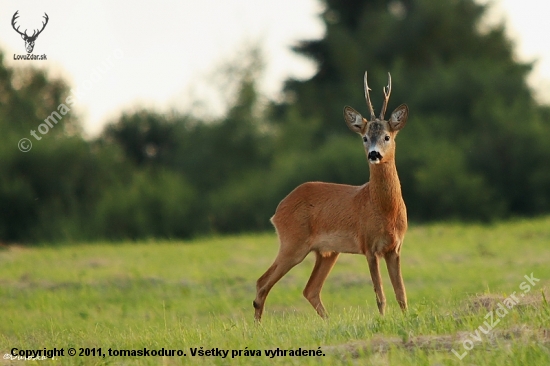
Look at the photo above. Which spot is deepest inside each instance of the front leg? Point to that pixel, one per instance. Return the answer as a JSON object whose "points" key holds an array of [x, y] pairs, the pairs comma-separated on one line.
{"points": [[374, 268], [393, 263]]}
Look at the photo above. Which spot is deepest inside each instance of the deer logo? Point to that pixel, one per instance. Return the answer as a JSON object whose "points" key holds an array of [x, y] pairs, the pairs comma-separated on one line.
{"points": [[29, 40]]}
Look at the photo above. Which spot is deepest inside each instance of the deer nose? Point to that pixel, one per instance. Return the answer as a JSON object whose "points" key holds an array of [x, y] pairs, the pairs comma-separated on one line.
{"points": [[374, 155]]}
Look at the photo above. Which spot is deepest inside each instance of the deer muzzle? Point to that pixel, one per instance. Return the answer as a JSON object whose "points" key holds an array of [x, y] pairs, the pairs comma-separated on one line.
{"points": [[374, 157]]}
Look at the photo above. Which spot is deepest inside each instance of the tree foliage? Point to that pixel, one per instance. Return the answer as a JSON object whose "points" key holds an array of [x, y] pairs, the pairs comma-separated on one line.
{"points": [[474, 148], [472, 114]]}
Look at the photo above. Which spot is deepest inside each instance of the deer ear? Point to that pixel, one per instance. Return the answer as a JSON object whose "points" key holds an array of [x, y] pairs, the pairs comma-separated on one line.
{"points": [[23, 36], [354, 120], [399, 117]]}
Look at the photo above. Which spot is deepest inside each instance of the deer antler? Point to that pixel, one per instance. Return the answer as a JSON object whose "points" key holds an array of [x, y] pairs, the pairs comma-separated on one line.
{"points": [[367, 97], [43, 26], [387, 92], [15, 16], [34, 34]]}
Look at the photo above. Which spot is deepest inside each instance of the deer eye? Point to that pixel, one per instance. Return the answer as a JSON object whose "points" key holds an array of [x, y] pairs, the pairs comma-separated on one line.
{"points": [[387, 138], [365, 139]]}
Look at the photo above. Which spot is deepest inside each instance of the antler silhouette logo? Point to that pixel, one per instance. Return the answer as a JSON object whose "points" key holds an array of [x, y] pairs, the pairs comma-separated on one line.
{"points": [[29, 40]]}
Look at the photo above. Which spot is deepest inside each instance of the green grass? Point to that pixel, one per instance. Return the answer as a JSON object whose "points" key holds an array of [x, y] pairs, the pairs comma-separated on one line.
{"points": [[183, 295]]}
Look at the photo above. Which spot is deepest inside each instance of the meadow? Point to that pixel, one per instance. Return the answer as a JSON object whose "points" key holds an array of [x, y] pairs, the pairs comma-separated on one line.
{"points": [[470, 302]]}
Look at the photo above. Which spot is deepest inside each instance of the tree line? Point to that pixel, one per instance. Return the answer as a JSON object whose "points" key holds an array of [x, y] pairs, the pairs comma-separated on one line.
{"points": [[475, 146]]}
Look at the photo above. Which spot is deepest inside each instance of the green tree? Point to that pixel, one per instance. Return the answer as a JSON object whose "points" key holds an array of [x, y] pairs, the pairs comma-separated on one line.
{"points": [[207, 155], [48, 193], [145, 137], [472, 113], [154, 203]]}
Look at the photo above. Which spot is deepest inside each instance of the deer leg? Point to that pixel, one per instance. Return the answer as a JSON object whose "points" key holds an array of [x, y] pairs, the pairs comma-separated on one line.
{"points": [[321, 270], [393, 262], [282, 264], [374, 268]]}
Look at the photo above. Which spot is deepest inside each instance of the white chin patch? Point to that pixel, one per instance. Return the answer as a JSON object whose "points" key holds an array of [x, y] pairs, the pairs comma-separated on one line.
{"points": [[377, 161]]}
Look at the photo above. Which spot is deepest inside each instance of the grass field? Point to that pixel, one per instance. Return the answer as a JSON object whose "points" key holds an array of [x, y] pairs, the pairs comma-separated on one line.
{"points": [[461, 281]]}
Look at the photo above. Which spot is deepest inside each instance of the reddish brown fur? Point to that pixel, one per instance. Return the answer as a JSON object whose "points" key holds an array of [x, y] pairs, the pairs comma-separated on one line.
{"points": [[329, 219]]}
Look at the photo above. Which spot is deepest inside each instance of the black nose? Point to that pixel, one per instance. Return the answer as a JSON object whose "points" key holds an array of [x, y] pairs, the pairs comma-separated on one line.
{"points": [[374, 155]]}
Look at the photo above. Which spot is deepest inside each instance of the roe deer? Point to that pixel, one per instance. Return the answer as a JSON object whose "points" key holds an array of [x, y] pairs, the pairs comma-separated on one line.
{"points": [[330, 219]]}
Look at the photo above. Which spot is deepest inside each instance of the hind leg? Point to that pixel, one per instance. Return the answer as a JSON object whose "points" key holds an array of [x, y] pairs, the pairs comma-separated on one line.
{"points": [[321, 270], [283, 263]]}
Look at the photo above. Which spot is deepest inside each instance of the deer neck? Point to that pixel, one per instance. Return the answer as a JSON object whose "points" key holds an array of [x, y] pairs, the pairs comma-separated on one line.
{"points": [[385, 188]]}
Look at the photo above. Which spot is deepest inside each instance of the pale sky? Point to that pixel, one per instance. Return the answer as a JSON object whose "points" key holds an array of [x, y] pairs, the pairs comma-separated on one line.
{"points": [[164, 54]]}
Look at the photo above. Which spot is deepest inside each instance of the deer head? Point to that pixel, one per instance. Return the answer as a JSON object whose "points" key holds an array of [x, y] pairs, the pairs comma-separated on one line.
{"points": [[29, 40], [377, 133]]}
